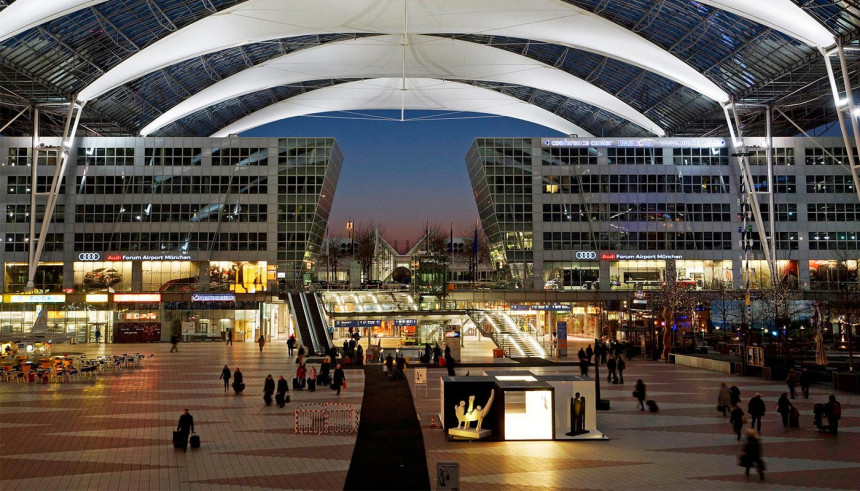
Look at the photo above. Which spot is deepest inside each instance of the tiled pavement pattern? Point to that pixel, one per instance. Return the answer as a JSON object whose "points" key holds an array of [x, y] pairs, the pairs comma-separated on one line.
{"points": [[687, 445], [114, 431]]}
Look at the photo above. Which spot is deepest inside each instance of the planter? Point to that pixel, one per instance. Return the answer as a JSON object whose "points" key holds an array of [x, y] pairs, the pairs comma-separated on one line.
{"points": [[846, 381]]}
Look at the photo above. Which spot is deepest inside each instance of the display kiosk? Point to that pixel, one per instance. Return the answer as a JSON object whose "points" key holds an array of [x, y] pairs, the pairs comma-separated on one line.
{"points": [[519, 405]]}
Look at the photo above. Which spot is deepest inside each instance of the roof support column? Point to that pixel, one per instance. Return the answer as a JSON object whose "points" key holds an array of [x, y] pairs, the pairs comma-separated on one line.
{"points": [[73, 118], [34, 175], [843, 106], [14, 118], [750, 195]]}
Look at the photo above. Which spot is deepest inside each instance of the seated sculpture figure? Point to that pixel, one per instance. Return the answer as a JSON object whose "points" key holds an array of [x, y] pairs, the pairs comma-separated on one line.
{"points": [[465, 417]]}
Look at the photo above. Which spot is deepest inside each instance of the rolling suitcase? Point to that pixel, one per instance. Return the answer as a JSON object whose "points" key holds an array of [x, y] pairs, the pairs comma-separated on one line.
{"points": [[312, 385], [195, 441], [296, 385], [179, 440], [794, 418], [652, 406]]}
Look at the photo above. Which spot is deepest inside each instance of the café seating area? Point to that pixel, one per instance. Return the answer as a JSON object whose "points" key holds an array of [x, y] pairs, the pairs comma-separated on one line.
{"points": [[66, 368]]}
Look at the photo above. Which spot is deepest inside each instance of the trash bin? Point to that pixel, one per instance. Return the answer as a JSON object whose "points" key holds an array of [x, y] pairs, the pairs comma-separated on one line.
{"points": [[498, 353]]}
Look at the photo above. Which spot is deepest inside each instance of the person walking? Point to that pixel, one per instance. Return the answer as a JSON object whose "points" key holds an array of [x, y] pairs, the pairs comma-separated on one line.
{"points": [[174, 340], [238, 385], [359, 355], [229, 336], [737, 420], [98, 334], [833, 410], [621, 366], [291, 344], [751, 454], [611, 364], [225, 375], [735, 394], [589, 352], [805, 382], [312, 380], [262, 342], [300, 356], [339, 378], [281, 392], [783, 407], [724, 399], [640, 394], [791, 382], [756, 410], [268, 390], [185, 428]]}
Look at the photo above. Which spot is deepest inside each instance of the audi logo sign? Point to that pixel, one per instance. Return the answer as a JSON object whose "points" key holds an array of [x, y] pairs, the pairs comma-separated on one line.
{"points": [[586, 255], [89, 256]]}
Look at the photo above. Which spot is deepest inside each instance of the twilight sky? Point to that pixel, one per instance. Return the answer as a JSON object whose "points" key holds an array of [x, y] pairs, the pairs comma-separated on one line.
{"points": [[401, 173]]}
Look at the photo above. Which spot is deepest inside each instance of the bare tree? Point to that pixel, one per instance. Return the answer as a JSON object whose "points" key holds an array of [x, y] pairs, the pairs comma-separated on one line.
{"points": [[670, 301], [331, 255], [364, 238]]}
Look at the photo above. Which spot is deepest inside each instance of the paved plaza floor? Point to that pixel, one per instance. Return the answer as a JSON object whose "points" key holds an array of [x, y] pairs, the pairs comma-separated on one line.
{"points": [[113, 432]]}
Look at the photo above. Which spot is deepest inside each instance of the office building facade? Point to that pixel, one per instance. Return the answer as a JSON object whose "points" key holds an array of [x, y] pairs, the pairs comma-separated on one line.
{"points": [[613, 214], [142, 223]]}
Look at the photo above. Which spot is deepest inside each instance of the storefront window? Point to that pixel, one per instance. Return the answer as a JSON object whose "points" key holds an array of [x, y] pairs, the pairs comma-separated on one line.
{"points": [[571, 275], [832, 275], [239, 277], [760, 277], [49, 277], [637, 274]]}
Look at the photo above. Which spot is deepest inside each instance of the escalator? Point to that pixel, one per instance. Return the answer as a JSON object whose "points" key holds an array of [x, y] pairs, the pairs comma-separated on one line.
{"points": [[320, 327], [297, 308]]}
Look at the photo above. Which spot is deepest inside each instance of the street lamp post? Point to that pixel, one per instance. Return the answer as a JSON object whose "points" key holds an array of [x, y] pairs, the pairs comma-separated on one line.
{"points": [[350, 227]]}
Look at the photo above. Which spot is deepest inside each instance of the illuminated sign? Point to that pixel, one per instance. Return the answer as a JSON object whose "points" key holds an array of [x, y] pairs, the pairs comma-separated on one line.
{"points": [[405, 322], [56, 298], [553, 307], [611, 256], [97, 298], [147, 257], [213, 297], [345, 323], [136, 297], [634, 142], [89, 256], [586, 255]]}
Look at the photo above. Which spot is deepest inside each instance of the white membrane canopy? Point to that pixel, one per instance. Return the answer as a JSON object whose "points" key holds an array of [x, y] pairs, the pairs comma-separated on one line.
{"points": [[425, 57], [27, 14], [549, 21], [386, 93]]}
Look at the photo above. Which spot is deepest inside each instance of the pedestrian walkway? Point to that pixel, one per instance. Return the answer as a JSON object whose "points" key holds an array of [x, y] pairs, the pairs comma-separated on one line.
{"points": [[389, 450]]}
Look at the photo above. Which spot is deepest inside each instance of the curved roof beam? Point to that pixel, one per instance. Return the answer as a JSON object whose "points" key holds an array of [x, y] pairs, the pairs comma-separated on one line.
{"points": [[385, 93], [781, 15], [27, 14], [549, 21], [383, 56]]}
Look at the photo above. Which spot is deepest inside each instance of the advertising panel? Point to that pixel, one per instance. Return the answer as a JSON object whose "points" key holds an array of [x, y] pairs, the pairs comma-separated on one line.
{"points": [[94, 276]]}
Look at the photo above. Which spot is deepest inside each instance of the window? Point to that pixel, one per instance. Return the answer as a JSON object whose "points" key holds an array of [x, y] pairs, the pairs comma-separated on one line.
{"points": [[20, 242], [781, 156], [637, 155], [21, 213], [833, 241], [240, 156], [818, 156], [833, 212], [829, 184], [105, 156], [21, 184], [700, 156], [172, 156], [569, 156], [167, 241]]}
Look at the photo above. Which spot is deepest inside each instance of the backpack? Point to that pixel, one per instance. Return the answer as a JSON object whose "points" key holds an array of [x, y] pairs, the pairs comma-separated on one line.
{"points": [[837, 408]]}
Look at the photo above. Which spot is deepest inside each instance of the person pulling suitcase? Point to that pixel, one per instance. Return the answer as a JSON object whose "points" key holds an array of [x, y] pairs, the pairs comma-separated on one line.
{"points": [[183, 429]]}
